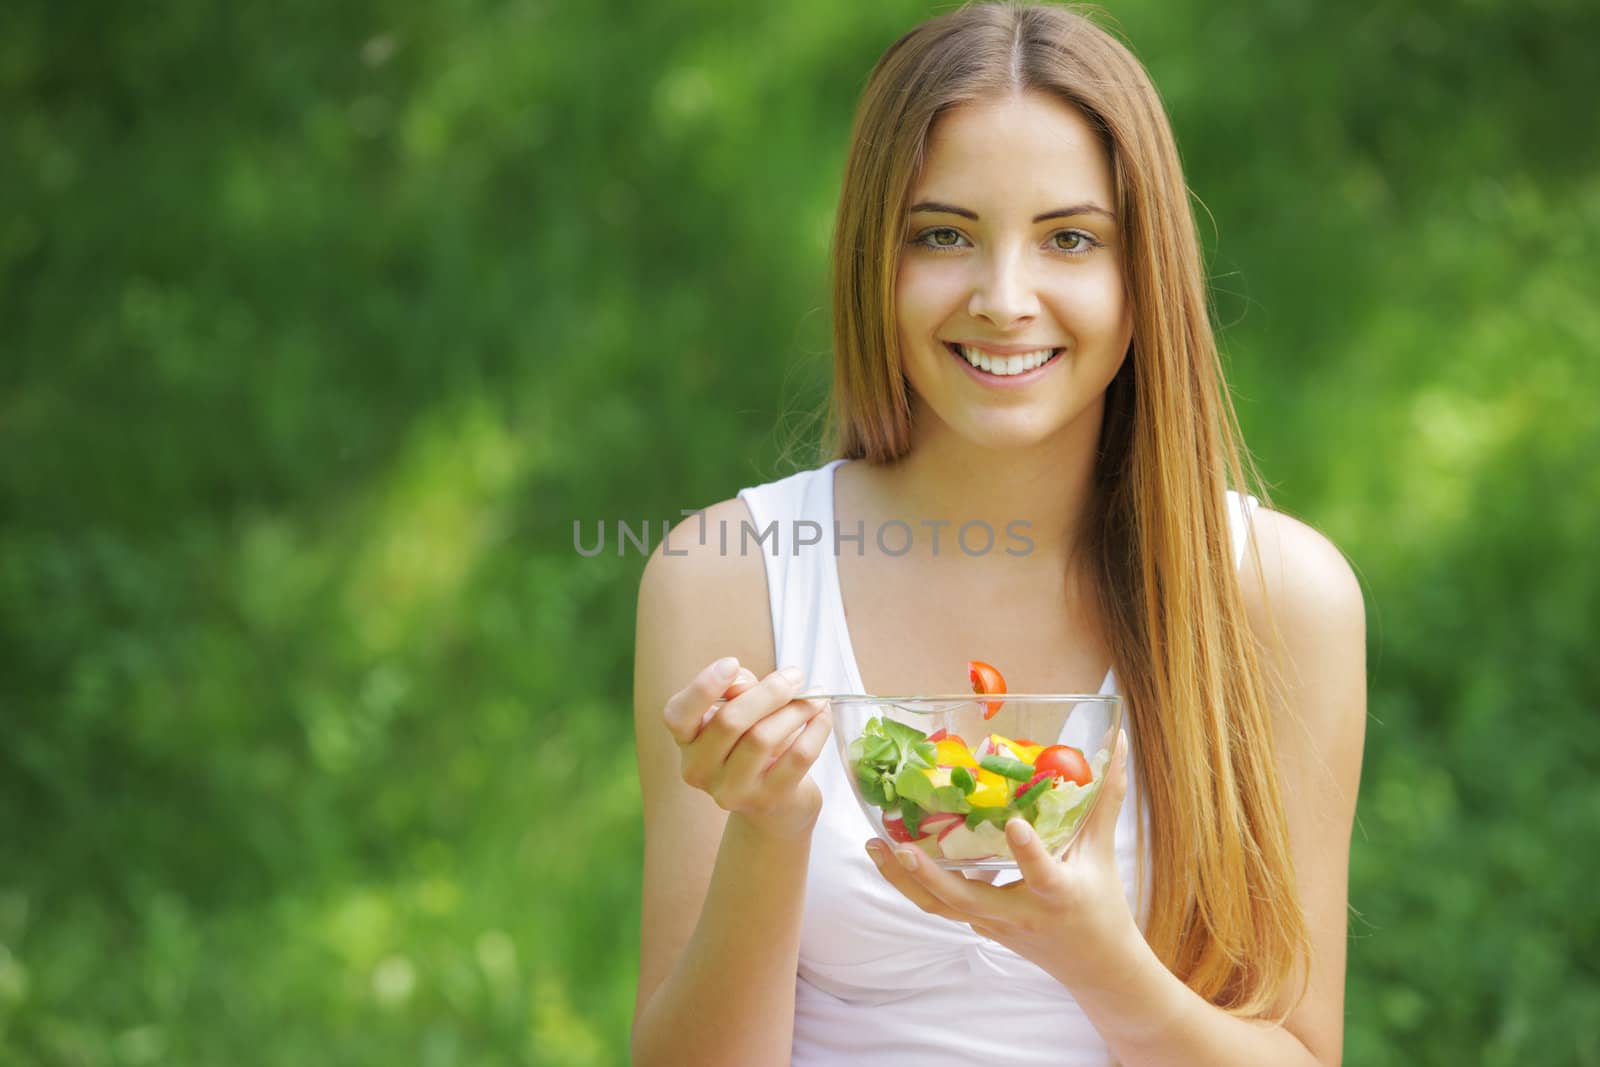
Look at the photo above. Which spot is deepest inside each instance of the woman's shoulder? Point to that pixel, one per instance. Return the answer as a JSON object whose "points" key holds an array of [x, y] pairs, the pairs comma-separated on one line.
{"points": [[1306, 609], [698, 554], [1302, 578], [707, 592]]}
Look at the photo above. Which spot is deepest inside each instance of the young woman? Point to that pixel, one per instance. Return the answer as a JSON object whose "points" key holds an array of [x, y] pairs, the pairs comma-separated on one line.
{"points": [[1021, 335]]}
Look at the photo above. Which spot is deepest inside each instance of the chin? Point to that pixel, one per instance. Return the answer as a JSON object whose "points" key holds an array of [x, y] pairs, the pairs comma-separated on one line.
{"points": [[1008, 438], [1002, 431]]}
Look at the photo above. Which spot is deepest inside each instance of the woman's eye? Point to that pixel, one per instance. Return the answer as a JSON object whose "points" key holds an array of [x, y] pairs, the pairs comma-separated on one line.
{"points": [[941, 237], [1076, 241]]}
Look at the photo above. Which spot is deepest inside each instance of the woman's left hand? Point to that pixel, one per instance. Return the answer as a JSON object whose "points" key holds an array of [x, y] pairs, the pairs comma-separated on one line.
{"points": [[1065, 915]]}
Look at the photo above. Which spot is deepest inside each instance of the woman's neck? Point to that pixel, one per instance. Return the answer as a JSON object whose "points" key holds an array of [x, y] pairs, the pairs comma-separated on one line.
{"points": [[1049, 486]]}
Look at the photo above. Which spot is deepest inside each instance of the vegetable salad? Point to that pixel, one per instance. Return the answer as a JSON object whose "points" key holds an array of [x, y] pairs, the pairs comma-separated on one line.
{"points": [[953, 800]]}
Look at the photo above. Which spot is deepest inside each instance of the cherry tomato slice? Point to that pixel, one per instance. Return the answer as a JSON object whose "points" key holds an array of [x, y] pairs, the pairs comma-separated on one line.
{"points": [[1064, 761], [985, 679]]}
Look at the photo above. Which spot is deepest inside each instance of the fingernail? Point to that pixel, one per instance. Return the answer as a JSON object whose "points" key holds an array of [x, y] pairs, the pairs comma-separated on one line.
{"points": [[794, 674], [1017, 832], [907, 858], [723, 669], [875, 851]]}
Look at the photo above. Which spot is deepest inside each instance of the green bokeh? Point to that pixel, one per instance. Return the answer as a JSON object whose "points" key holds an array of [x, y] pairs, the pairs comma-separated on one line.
{"points": [[323, 322]]}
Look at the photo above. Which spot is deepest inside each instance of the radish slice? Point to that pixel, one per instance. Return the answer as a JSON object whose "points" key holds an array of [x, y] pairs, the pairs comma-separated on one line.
{"points": [[1031, 782], [895, 828], [940, 821]]}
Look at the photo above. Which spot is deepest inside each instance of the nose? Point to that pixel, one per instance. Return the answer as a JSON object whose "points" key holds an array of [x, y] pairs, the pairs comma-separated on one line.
{"points": [[1005, 296]]}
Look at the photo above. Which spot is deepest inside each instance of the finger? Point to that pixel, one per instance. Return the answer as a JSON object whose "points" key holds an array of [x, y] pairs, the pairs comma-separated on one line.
{"points": [[1101, 831], [818, 707], [742, 681], [706, 762], [1041, 872], [806, 696], [686, 708], [748, 708], [765, 741], [802, 752], [949, 893]]}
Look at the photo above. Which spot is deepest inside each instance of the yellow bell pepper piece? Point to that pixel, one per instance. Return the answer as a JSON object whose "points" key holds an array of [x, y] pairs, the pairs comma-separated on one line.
{"points": [[953, 754], [993, 790], [1025, 753]]}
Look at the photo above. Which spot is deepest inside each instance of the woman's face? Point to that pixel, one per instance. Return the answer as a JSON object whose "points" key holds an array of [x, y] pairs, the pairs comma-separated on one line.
{"points": [[1011, 247]]}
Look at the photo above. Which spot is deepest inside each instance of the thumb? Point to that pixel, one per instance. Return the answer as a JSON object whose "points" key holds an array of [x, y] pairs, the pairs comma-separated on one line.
{"points": [[1101, 831], [1033, 860]]}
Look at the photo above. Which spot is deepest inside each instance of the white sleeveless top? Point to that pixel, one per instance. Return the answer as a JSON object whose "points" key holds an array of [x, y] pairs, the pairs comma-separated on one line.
{"points": [[880, 980]]}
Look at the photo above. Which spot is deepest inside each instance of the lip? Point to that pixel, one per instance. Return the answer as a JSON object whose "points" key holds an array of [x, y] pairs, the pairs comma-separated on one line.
{"points": [[1014, 381]]}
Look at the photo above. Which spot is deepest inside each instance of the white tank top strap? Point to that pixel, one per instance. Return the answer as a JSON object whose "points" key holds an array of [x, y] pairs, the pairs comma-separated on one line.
{"points": [[787, 518], [1241, 508]]}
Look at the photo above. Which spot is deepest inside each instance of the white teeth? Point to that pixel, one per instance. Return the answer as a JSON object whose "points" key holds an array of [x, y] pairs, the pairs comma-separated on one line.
{"points": [[1004, 366]]}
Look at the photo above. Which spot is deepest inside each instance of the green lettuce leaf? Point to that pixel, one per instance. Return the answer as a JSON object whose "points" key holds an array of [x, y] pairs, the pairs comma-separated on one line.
{"points": [[881, 754], [1063, 807]]}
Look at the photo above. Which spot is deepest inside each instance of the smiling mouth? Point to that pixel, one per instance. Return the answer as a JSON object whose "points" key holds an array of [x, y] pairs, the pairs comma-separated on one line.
{"points": [[1003, 366]]}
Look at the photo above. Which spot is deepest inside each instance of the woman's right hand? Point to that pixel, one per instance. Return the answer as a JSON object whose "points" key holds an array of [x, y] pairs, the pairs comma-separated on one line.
{"points": [[748, 744]]}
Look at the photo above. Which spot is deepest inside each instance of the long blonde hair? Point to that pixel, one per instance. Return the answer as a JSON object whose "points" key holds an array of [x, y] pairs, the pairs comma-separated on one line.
{"points": [[1224, 914]]}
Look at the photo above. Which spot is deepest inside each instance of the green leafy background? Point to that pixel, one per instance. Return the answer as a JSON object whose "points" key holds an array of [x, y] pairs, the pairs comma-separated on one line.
{"points": [[320, 323]]}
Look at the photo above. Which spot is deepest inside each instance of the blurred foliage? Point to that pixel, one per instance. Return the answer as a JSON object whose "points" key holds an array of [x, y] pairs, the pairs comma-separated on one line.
{"points": [[321, 323]]}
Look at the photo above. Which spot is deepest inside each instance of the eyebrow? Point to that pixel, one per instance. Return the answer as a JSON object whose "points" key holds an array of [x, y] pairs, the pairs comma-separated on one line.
{"points": [[1058, 213]]}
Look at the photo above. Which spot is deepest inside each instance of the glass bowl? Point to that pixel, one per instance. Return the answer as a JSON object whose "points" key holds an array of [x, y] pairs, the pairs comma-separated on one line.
{"points": [[952, 795]]}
